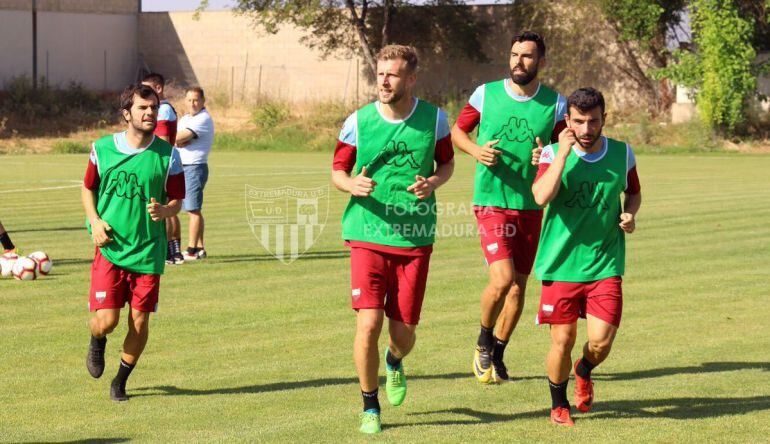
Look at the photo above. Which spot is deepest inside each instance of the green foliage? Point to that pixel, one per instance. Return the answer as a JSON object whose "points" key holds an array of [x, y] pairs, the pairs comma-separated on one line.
{"points": [[269, 114], [66, 146], [27, 102], [639, 21]]}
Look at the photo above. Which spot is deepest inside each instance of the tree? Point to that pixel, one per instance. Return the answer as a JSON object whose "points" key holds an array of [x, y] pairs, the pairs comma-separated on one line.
{"points": [[644, 31], [364, 26], [721, 67]]}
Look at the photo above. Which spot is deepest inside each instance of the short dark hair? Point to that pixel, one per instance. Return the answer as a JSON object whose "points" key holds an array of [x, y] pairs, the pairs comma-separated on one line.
{"points": [[586, 99], [530, 36], [136, 89], [155, 79], [196, 89]]}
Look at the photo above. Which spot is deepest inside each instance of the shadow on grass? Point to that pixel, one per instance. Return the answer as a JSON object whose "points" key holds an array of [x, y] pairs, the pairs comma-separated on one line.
{"points": [[334, 254], [706, 367], [170, 390], [36, 230], [670, 408], [84, 441]]}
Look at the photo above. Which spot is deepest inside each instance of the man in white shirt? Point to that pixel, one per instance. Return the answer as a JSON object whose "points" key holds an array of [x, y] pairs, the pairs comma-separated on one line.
{"points": [[195, 135]]}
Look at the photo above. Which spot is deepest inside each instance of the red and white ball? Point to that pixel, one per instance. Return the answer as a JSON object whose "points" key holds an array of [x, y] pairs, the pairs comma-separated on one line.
{"points": [[6, 263], [44, 263], [25, 269]]}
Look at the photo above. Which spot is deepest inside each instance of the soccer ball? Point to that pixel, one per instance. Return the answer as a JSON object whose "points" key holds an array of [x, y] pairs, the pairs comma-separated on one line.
{"points": [[44, 263], [6, 263], [25, 269]]}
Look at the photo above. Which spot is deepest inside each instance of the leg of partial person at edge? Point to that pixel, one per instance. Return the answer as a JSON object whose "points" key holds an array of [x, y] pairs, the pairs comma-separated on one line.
{"points": [[559, 363], [133, 346], [200, 232], [367, 359]]}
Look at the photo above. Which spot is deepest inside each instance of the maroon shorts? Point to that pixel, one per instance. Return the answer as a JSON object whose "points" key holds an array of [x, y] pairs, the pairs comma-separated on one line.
{"points": [[564, 302], [112, 287], [509, 234], [389, 282]]}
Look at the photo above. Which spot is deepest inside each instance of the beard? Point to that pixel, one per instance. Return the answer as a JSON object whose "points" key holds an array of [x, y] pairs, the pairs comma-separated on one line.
{"points": [[141, 126], [591, 143], [395, 96], [524, 78]]}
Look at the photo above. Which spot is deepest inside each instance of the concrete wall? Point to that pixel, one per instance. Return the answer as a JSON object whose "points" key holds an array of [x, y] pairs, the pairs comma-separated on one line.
{"points": [[223, 52], [97, 50], [87, 6], [16, 35]]}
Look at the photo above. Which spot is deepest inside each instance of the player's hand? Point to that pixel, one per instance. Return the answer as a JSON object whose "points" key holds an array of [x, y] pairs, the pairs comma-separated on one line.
{"points": [[99, 229], [537, 151], [156, 210], [486, 155], [422, 187], [362, 186], [566, 140], [627, 222]]}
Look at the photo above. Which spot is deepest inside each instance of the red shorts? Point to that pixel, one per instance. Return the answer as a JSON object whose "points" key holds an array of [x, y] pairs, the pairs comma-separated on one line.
{"points": [[564, 302], [112, 287], [509, 234], [389, 282]]}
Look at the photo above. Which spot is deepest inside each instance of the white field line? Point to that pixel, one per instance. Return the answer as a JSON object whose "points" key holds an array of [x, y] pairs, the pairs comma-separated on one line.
{"points": [[24, 190]]}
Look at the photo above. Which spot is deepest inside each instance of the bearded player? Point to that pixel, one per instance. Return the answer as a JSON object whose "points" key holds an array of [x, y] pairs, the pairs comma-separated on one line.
{"points": [[513, 116], [128, 175], [582, 248], [391, 155]]}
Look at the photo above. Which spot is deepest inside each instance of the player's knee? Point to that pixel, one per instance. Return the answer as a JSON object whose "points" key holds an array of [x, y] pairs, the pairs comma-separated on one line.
{"points": [[600, 346], [500, 284], [108, 323], [563, 342], [369, 328]]}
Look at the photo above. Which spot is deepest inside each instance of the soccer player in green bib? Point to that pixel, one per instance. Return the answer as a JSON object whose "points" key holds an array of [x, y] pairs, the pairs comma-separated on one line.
{"points": [[513, 115], [391, 155], [128, 175], [582, 255]]}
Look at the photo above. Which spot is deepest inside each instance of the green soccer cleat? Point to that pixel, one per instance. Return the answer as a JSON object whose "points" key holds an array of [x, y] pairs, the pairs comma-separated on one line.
{"points": [[395, 384], [370, 422]]}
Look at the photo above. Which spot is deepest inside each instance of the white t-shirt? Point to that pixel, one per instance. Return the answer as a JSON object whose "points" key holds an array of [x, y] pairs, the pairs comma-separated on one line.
{"points": [[197, 152]]}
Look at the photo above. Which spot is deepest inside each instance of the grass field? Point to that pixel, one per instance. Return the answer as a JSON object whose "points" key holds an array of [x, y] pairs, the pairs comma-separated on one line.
{"points": [[245, 348]]}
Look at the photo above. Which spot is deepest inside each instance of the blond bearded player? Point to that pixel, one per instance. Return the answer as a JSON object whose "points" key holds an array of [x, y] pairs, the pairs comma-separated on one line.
{"points": [[391, 155]]}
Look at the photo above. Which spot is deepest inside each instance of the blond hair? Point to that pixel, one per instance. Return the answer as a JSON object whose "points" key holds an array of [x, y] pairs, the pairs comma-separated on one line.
{"points": [[403, 52]]}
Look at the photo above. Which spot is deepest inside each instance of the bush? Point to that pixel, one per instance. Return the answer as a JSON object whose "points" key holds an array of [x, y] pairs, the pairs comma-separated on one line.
{"points": [[71, 147], [269, 114]]}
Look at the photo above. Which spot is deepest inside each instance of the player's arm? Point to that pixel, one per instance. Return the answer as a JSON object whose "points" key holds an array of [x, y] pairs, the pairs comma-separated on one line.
{"points": [[484, 154], [547, 185], [99, 228], [184, 137], [633, 197], [158, 211], [443, 155], [88, 197]]}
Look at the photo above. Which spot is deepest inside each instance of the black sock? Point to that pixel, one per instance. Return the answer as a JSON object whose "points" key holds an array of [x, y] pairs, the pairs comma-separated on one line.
{"points": [[5, 239], [371, 402], [98, 342], [584, 368], [485, 338], [498, 349], [123, 373], [558, 394], [392, 361]]}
